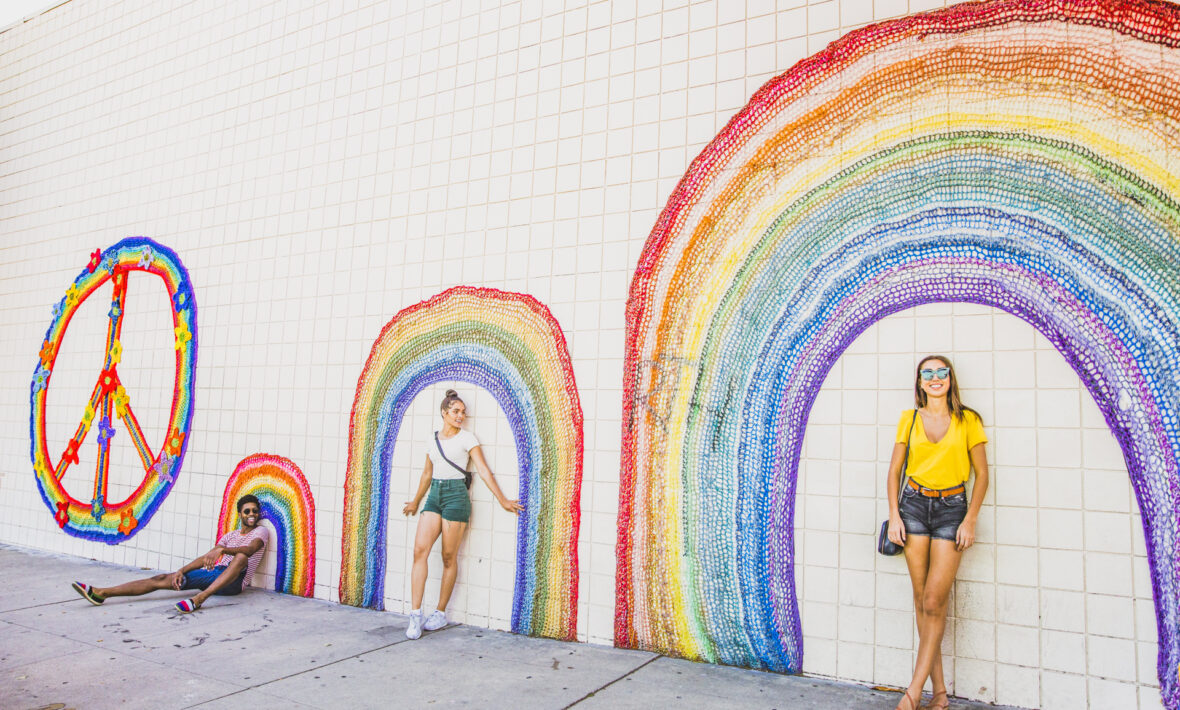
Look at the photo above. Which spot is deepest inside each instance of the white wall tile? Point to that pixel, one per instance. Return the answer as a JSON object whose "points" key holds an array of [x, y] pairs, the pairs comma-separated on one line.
{"points": [[541, 144]]}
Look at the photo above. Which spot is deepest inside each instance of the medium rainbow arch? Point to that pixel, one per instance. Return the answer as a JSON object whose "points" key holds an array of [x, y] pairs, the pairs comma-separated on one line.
{"points": [[287, 503], [512, 346], [1012, 153]]}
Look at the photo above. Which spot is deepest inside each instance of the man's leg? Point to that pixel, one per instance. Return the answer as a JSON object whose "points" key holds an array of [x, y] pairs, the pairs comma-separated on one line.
{"points": [[135, 588], [228, 575]]}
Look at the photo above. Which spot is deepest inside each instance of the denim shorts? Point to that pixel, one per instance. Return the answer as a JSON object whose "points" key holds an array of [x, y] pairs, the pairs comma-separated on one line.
{"points": [[448, 497], [201, 578], [937, 518]]}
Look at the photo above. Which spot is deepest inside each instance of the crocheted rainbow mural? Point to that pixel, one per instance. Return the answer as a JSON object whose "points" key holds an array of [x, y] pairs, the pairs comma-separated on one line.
{"points": [[510, 345], [287, 503], [1018, 154], [98, 518]]}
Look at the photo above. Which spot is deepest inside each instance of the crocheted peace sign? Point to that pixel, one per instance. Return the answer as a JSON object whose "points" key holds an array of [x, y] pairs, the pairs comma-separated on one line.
{"points": [[100, 519]]}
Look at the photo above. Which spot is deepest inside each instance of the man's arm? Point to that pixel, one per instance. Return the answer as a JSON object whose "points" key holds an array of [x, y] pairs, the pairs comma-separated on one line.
{"points": [[247, 550], [209, 560], [177, 578]]}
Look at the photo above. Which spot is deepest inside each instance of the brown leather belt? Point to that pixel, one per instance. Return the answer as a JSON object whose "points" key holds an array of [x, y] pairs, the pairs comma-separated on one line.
{"points": [[932, 493]]}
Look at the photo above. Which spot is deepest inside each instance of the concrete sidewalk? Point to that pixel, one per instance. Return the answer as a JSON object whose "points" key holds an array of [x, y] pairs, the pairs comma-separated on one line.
{"points": [[263, 650]]}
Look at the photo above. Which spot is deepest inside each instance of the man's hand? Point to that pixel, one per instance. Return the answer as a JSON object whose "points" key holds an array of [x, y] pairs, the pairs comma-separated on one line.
{"points": [[177, 580], [211, 557]]}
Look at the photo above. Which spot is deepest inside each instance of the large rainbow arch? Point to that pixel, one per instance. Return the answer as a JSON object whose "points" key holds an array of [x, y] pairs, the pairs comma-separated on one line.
{"points": [[1015, 153], [510, 345]]}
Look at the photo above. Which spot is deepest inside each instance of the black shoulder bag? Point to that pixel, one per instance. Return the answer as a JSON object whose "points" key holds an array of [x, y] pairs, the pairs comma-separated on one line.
{"points": [[884, 545], [466, 474]]}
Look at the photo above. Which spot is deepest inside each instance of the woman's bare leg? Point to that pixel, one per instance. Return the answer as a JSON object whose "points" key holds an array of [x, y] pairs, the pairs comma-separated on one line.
{"points": [[940, 576], [452, 536], [918, 561], [429, 527]]}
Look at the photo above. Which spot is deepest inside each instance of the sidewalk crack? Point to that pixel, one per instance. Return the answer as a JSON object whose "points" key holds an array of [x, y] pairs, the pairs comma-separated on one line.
{"points": [[629, 673]]}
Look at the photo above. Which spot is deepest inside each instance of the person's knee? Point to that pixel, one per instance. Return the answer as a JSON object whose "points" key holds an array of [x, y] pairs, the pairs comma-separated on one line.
{"points": [[933, 603], [450, 559], [421, 551], [239, 561]]}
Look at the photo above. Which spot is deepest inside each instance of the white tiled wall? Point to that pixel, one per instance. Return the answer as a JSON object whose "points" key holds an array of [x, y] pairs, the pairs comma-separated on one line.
{"points": [[319, 166], [1053, 605]]}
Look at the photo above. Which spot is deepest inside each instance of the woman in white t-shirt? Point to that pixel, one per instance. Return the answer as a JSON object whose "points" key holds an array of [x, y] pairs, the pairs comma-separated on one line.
{"points": [[444, 484]]}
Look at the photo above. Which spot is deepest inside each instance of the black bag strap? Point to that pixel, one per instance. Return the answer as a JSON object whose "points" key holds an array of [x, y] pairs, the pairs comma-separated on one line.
{"points": [[467, 474], [905, 459]]}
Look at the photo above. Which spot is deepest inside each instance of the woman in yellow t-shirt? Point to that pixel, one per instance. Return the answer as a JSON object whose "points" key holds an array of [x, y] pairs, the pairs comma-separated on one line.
{"points": [[934, 521]]}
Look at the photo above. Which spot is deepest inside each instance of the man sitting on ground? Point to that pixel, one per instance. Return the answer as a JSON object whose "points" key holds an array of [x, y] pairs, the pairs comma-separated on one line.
{"points": [[226, 569]]}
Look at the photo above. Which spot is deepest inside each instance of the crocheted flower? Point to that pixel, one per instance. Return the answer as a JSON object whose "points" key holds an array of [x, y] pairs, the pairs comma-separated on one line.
{"points": [[95, 260], [109, 263], [106, 432], [127, 522], [58, 308], [116, 352], [163, 467], [71, 295], [108, 380], [62, 516], [146, 257], [47, 353], [121, 401], [182, 335], [88, 415], [40, 379], [116, 309], [97, 509], [180, 299], [175, 442], [71, 452]]}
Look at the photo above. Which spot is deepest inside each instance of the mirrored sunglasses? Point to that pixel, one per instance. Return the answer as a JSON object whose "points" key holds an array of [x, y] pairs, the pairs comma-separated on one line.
{"points": [[941, 373]]}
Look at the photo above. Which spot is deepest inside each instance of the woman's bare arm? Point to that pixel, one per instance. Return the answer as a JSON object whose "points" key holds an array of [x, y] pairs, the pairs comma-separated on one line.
{"points": [[411, 506], [485, 473]]}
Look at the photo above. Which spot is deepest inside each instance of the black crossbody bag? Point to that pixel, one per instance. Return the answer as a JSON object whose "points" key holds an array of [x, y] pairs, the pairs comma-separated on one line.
{"points": [[466, 474], [884, 545]]}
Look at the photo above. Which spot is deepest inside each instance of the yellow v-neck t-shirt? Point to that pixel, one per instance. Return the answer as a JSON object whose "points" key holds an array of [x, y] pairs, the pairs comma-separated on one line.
{"points": [[945, 463]]}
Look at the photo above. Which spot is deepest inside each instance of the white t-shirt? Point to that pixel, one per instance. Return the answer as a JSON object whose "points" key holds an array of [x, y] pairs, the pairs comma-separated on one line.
{"points": [[456, 449]]}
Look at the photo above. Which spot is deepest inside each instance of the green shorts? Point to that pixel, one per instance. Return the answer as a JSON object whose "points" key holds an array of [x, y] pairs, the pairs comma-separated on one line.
{"points": [[448, 497]]}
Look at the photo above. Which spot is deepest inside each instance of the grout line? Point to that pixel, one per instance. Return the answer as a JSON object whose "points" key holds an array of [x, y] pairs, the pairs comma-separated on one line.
{"points": [[629, 673]]}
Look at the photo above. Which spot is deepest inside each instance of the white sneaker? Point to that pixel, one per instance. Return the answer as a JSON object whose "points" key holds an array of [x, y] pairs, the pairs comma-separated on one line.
{"points": [[414, 630], [435, 621]]}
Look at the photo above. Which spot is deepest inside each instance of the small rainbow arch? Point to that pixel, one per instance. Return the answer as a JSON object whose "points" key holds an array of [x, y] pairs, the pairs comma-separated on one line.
{"points": [[1013, 153], [512, 346], [287, 503]]}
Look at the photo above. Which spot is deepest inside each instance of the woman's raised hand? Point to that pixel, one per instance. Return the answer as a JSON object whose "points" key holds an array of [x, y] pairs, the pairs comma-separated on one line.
{"points": [[512, 506], [896, 530], [410, 508]]}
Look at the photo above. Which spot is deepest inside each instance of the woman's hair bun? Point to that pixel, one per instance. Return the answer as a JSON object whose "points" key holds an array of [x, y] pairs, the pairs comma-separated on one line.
{"points": [[452, 393]]}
